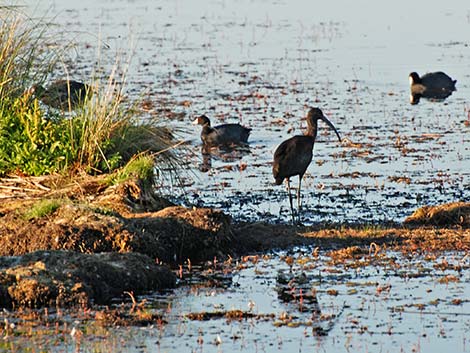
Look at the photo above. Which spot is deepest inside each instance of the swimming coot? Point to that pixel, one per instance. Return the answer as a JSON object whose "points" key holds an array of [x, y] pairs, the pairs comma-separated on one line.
{"points": [[62, 94], [435, 86], [294, 155], [225, 134]]}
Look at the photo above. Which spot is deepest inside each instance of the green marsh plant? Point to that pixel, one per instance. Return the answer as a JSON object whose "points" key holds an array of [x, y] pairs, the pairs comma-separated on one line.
{"points": [[101, 136], [43, 208]]}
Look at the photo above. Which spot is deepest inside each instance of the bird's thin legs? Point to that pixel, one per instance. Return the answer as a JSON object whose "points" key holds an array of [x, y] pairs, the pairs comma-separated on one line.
{"points": [[290, 200], [299, 199]]}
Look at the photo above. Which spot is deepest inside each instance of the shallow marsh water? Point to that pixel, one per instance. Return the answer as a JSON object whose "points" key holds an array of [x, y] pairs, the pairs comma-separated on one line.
{"points": [[263, 63], [389, 306], [296, 302]]}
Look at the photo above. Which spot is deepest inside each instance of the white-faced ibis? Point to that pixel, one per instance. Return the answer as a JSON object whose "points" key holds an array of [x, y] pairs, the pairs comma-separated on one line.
{"points": [[62, 94], [434, 85], [294, 155], [225, 134]]}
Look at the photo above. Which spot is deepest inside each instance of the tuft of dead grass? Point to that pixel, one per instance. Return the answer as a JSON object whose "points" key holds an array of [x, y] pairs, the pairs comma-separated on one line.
{"points": [[451, 214]]}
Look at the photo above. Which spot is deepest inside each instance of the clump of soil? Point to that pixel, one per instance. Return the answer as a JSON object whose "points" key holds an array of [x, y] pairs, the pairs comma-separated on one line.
{"points": [[176, 234], [105, 223], [64, 278], [138, 317], [456, 213]]}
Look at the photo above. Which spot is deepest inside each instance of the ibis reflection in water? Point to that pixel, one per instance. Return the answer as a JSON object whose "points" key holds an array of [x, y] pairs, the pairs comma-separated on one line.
{"points": [[294, 155]]}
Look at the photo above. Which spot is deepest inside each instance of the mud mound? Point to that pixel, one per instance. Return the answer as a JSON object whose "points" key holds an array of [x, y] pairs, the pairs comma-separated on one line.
{"points": [[452, 214], [63, 278], [70, 227], [176, 234]]}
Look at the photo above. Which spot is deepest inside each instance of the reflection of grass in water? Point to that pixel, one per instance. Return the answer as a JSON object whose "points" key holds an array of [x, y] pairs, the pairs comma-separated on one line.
{"points": [[36, 331]]}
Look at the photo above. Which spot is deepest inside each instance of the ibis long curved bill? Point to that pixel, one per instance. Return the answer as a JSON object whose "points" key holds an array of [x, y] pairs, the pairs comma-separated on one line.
{"points": [[330, 124]]}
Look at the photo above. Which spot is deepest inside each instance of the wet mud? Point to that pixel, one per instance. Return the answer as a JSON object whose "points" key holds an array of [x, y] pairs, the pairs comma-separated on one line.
{"points": [[73, 279]]}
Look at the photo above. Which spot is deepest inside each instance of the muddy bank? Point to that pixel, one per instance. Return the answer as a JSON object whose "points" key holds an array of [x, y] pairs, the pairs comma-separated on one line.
{"points": [[265, 237], [126, 218], [65, 278], [452, 214], [90, 217], [85, 242], [172, 235], [442, 227]]}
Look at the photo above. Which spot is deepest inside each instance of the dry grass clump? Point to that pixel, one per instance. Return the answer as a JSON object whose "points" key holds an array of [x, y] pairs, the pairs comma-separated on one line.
{"points": [[451, 214]]}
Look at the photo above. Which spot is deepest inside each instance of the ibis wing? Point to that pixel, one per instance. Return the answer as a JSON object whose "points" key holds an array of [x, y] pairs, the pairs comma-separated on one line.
{"points": [[292, 157]]}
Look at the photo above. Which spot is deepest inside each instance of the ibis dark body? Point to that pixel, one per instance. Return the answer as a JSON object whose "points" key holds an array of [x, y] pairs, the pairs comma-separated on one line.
{"points": [[435, 86], [293, 156], [220, 135], [63, 94]]}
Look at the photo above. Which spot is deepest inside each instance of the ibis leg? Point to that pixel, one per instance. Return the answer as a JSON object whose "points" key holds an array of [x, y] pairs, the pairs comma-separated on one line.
{"points": [[290, 200], [299, 199]]}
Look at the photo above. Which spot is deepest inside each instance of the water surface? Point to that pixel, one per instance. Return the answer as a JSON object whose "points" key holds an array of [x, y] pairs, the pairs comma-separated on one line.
{"points": [[263, 63]]}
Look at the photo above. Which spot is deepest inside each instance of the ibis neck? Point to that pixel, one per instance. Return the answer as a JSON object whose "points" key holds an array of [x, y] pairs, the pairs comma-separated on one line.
{"points": [[312, 129]]}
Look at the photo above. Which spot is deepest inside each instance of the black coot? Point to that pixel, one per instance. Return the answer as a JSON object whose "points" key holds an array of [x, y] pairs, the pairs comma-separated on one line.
{"points": [[225, 134], [62, 94], [434, 85], [294, 155]]}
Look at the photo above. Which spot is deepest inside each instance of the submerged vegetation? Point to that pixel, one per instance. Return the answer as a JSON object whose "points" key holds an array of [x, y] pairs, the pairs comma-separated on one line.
{"points": [[101, 135]]}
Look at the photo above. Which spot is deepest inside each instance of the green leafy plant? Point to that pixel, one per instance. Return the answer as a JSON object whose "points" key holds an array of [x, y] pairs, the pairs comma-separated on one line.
{"points": [[31, 143], [140, 167]]}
